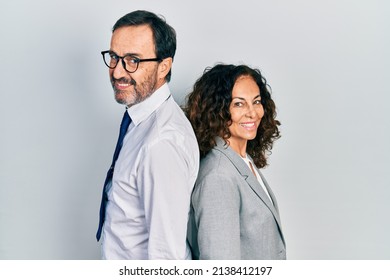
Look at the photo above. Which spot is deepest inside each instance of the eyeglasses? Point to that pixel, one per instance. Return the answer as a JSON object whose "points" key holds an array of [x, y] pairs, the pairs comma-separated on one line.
{"points": [[129, 62]]}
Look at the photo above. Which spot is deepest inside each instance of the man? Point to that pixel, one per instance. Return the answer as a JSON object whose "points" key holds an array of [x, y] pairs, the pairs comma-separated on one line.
{"points": [[146, 203]]}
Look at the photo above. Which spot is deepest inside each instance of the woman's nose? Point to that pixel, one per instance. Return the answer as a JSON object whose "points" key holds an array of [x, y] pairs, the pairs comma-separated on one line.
{"points": [[250, 112]]}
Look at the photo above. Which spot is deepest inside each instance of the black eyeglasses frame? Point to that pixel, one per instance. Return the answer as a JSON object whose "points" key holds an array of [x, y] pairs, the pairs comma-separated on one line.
{"points": [[136, 60]]}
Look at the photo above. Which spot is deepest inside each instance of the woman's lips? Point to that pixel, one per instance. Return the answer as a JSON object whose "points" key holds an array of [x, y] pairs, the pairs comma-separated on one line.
{"points": [[248, 125]]}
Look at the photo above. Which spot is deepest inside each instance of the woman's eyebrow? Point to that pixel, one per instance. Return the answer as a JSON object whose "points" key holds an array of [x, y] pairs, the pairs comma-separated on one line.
{"points": [[242, 98]]}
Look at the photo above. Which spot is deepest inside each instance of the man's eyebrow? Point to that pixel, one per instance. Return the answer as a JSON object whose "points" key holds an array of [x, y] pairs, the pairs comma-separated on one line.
{"points": [[126, 54], [132, 54]]}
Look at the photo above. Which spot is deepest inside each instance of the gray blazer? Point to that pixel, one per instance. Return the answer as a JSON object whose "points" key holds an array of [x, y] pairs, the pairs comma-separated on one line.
{"points": [[231, 216]]}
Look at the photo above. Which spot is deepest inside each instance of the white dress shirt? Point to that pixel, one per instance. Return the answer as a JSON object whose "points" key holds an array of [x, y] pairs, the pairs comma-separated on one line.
{"points": [[149, 198]]}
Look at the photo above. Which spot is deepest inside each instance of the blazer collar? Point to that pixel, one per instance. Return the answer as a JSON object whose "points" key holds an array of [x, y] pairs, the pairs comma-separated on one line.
{"points": [[252, 181]]}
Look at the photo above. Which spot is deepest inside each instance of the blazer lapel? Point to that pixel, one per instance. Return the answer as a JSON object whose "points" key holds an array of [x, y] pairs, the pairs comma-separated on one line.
{"points": [[275, 204], [271, 194], [253, 183]]}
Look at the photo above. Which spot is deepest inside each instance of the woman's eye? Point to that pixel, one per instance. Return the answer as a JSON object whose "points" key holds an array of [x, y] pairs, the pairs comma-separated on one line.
{"points": [[257, 102], [238, 104]]}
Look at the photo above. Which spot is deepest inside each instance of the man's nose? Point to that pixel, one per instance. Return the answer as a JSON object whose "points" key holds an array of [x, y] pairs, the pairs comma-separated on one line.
{"points": [[119, 71]]}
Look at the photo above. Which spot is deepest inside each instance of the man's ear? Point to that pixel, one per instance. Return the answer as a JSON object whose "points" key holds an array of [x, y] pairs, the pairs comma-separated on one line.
{"points": [[164, 67]]}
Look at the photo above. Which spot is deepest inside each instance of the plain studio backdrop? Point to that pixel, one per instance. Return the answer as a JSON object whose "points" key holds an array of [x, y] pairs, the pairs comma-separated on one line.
{"points": [[327, 63]]}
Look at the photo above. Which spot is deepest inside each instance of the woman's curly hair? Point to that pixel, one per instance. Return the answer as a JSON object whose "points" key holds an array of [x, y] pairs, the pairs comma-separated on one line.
{"points": [[207, 108]]}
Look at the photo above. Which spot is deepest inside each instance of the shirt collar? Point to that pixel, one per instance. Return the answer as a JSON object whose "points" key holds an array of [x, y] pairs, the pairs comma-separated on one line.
{"points": [[141, 111]]}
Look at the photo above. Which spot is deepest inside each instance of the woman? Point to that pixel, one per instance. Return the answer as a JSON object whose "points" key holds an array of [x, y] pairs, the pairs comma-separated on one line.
{"points": [[234, 214]]}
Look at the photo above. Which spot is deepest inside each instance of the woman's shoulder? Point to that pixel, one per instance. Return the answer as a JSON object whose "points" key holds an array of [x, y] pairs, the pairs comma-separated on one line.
{"points": [[216, 163], [217, 176]]}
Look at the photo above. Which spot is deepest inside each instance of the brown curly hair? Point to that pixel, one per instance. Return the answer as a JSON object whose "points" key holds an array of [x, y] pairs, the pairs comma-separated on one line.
{"points": [[207, 108]]}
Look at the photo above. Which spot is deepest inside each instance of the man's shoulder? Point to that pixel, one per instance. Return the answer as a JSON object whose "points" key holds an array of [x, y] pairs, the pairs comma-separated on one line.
{"points": [[168, 125], [170, 119], [170, 109]]}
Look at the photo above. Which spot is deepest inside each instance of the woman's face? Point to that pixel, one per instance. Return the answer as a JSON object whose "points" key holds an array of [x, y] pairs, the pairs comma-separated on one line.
{"points": [[246, 112]]}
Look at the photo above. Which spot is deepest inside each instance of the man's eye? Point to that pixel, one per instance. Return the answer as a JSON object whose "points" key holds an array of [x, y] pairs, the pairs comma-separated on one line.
{"points": [[131, 60]]}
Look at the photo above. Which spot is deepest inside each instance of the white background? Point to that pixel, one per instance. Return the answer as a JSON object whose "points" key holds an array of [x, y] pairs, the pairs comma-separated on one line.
{"points": [[326, 61]]}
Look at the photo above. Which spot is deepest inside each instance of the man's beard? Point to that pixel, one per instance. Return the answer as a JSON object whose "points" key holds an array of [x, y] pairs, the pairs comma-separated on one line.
{"points": [[139, 93]]}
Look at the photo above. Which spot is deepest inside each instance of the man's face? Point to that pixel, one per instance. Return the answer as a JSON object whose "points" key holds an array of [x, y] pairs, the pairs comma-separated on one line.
{"points": [[133, 88]]}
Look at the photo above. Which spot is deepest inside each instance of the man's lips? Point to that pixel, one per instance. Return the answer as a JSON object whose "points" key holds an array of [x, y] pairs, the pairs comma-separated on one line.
{"points": [[121, 85]]}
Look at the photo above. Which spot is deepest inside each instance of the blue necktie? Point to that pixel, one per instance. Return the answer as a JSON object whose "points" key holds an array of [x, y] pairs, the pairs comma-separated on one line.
{"points": [[124, 125]]}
